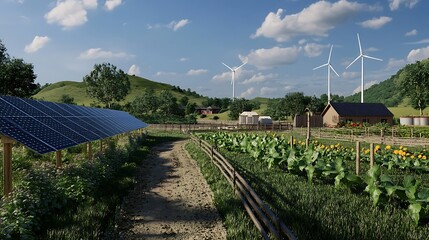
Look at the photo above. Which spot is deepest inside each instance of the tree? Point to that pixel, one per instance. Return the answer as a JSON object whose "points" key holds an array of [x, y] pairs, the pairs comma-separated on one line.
{"points": [[296, 103], [65, 98], [167, 103], [17, 78], [190, 108], [146, 103], [107, 84], [415, 84], [238, 106]]}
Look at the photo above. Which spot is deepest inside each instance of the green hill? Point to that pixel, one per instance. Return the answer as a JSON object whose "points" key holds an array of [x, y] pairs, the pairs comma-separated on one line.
{"points": [[76, 90], [386, 92]]}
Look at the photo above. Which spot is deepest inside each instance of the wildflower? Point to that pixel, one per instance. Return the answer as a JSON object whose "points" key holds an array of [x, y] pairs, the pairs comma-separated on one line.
{"points": [[419, 156], [412, 157], [388, 147], [332, 146]]}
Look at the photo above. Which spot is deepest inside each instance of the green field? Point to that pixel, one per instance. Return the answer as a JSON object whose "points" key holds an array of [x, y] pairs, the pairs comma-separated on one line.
{"points": [[406, 111]]}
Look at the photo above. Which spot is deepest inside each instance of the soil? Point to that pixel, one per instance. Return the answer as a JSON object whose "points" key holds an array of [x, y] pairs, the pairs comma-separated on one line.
{"points": [[171, 199]]}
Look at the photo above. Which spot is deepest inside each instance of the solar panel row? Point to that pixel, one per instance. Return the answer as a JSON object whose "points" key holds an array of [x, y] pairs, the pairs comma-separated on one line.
{"points": [[47, 126]]}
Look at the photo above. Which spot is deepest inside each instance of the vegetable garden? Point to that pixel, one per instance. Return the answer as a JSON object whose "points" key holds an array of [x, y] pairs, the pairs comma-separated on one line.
{"points": [[389, 200]]}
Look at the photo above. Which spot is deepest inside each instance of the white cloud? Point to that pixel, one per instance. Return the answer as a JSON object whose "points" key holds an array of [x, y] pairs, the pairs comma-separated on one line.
{"points": [[395, 63], [70, 13], [313, 49], [376, 23], [365, 86], [418, 54], [98, 53], [159, 74], [259, 78], [225, 76], [267, 58], [112, 4], [350, 75], [411, 33], [194, 72], [183, 59], [423, 41], [177, 25], [248, 93], [372, 49], [314, 20], [395, 4], [267, 91], [37, 43], [134, 70], [172, 25]]}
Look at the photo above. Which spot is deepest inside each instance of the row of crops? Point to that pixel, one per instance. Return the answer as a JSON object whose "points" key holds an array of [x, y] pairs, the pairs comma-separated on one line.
{"points": [[399, 176]]}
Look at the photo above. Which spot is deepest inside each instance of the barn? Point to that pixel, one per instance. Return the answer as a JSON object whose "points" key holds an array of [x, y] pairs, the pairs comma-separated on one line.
{"points": [[370, 113]]}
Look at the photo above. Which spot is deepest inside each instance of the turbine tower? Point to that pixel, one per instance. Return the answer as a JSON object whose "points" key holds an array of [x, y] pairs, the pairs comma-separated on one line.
{"points": [[328, 64], [233, 77], [361, 56]]}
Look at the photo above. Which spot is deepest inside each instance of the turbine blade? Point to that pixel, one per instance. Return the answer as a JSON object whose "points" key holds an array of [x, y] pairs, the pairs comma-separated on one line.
{"points": [[360, 46], [333, 70], [240, 66], [323, 65], [378, 59], [354, 61], [227, 66], [330, 52]]}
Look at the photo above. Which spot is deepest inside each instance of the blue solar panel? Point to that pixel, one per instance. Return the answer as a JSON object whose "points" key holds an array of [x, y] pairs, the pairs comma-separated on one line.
{"points": [[46, 126]]}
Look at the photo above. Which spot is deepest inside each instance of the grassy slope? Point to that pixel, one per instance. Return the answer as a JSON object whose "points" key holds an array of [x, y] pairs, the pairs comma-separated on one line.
{"points": [[77, 91]]}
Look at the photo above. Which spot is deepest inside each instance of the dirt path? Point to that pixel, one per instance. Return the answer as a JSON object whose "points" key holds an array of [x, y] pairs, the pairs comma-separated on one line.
{"points": [[171, 200]]}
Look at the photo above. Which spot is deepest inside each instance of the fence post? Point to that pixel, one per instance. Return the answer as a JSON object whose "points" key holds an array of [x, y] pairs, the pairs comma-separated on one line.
{"points": [[371, 155], [291, 141], [212, 153], [200, 142], [7, 165], [58, 161], [351, 135], [357, 157]]}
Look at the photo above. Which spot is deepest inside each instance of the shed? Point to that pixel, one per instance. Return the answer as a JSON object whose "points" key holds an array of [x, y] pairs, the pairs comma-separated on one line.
{"points": [[371, 113], [208, 110], [248, 118], [265, 120]]}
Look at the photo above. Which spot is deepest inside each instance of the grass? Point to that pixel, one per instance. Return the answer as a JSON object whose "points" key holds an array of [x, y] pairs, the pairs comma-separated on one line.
{"points": [[236, 221], [406, 111], [77, 91]]}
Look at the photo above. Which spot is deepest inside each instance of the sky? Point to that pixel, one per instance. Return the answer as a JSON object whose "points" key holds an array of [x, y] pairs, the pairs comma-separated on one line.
{"points": [[184, 42]]}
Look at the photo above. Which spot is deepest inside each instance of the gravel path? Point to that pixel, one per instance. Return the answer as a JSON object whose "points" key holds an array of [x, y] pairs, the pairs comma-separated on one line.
{"points": [[171, 200]]}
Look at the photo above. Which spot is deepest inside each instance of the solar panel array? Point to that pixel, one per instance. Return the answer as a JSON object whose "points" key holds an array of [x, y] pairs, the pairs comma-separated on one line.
{"points": [[47, 126]]}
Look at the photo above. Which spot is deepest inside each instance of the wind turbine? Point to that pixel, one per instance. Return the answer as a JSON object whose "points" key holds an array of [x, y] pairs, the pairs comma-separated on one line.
{"points": [[362, 56], [328, 64], [233, 77]]}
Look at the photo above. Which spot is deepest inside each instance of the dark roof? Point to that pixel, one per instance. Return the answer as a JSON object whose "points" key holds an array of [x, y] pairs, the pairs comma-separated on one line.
{"points": [[359, 109]]}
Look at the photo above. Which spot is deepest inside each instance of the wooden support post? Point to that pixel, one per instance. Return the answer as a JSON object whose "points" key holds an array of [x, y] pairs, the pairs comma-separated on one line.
{"points": [[89, 145], [357, 157], [58, 159], [7, 165], [307, 140], [371, 155], [291, 141]]}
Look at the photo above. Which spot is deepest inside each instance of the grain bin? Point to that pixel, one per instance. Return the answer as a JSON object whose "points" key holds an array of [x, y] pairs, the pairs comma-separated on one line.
{"points": [[407, 121]]}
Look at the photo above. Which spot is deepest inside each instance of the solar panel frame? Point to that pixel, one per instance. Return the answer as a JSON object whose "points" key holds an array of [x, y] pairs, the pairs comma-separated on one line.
{"points": [[47, 126]]}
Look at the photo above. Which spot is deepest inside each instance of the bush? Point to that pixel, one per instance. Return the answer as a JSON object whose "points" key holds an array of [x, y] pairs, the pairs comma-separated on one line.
{"points": [[203, 116], [215, 118]]}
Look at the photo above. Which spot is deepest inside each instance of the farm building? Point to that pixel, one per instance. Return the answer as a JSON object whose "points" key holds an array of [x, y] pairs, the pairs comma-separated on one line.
{"points": [[371, 113], [265, 120], [208, 110], [248, 118]]}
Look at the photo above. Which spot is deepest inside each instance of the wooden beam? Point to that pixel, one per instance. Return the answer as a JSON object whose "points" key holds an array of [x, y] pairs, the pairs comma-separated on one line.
{"points": [[7, 165], [89, 145], [58, 158]]}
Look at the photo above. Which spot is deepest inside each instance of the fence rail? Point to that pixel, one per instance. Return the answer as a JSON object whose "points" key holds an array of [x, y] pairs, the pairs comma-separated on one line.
{"points": [[223, 126], [262, 216]]}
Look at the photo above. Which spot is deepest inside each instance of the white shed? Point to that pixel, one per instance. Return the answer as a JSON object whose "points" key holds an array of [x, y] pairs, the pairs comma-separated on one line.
{"points": [[265, 120], [248, 118]]}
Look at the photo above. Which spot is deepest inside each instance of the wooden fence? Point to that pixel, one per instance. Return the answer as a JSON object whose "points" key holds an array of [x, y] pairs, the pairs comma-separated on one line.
{"points": [[223, 126], [262, 216]]}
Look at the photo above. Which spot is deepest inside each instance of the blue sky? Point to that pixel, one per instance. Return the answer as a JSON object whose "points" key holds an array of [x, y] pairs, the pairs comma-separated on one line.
{"points": [[184, 42]]}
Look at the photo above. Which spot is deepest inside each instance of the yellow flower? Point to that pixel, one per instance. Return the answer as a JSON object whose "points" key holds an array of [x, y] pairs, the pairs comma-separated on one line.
{"points": [[396, 152], [404, 158], [412, 157], [400, 147], [332, 146], [405, 149], [419, 156], [322, 147], [388, 147], [424, 157]]}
